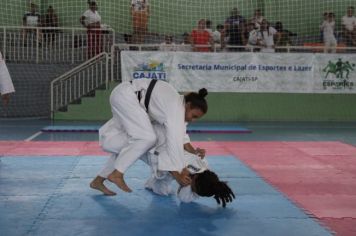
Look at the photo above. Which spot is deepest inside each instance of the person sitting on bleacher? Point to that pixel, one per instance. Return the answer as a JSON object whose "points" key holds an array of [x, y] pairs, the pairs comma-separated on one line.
{"points": [[349, 27]]}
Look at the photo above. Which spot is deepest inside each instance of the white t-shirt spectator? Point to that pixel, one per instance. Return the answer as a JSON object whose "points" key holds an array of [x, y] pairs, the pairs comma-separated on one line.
{"points": [[184, 47], [349, 22], [139, 5], [267, 39], [253, 37], [32, 19], [167, 47], [91, 17], [328, 30], [216, 36]]}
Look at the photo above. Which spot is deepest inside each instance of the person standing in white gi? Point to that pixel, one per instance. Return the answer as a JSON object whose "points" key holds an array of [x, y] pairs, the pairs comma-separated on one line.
{"points": [[6, 86], [328, 27], [129, 134]]}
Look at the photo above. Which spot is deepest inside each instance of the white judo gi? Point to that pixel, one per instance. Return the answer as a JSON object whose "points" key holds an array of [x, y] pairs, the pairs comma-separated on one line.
{"points": [[6, 85], [129, 134], [328, 35], [160, 181]]}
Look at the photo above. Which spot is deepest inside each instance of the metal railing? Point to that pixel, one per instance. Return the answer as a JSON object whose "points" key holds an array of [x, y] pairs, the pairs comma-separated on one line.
{"points": [[53, 44], [230, 48], [79, 81]]}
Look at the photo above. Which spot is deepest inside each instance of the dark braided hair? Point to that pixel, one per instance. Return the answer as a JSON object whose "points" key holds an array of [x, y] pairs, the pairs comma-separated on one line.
{"points": [[197, 100], [207, 184]]}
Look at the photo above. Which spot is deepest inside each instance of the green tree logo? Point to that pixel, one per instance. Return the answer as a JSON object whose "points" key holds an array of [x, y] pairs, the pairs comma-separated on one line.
{"points": [[339, 69]]}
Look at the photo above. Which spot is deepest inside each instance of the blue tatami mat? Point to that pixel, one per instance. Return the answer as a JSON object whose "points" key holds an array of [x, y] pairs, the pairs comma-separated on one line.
{"points": [[192, 128], [51, 196]]}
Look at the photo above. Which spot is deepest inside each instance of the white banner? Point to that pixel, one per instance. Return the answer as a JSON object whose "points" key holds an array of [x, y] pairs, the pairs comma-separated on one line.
{"points": [[245, 72]]}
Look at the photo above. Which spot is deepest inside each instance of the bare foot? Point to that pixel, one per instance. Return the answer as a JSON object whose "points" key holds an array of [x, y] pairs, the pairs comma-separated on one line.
{"points": [[118, 178], [98, 184]]}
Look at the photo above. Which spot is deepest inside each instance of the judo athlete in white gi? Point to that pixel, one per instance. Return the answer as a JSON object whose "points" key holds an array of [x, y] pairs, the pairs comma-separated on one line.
{"points": [[6, 86], [204, 182], [129, 134]]}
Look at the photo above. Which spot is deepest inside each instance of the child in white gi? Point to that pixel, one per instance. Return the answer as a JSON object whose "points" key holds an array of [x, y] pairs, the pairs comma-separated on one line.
{"points": [[328, 27]]}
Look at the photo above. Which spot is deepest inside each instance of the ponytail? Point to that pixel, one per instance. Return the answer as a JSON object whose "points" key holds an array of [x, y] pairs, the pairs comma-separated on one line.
{"points": [[197, 100]]}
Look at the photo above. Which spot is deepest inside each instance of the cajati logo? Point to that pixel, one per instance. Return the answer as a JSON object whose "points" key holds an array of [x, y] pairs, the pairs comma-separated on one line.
{"points": [[151, 70]]}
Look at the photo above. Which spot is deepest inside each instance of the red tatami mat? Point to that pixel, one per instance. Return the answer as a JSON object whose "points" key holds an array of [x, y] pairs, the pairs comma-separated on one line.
{"points": [[23, 148], [86, 148], [320, 177]]}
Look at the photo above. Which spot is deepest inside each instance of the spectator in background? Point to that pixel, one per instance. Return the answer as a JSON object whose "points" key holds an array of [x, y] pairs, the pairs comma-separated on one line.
{"points": [[219, 34], [186, 38], [328, 28], [201, 37], [325, 18], [235, 28], [209, 27], [283, 36], [6, 86], [265, 37], [185, 46], [50, 19], [257, 18], [128, 41], [253, 34], [349, 27], [140, 13], [92, 21], [31, 19], [168, 44]]}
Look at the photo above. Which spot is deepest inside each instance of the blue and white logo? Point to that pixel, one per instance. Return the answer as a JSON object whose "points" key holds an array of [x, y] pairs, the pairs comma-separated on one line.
{"points": [[151, 70]]}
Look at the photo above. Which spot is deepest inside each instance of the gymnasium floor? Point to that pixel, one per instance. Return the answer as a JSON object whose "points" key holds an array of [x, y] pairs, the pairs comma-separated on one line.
{"points": [[289, 179]]}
